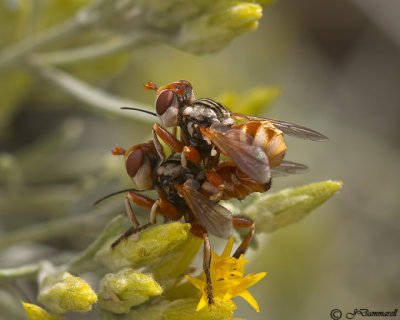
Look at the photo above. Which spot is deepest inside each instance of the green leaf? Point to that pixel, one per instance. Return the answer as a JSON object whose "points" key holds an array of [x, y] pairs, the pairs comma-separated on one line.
{"points": [[273, 211]]}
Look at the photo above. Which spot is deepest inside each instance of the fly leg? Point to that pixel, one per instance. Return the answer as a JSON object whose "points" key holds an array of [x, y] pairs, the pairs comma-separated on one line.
{"points": [[141, 201], [128, 233], [166, 208], [159, 206], [187, 152], [206, 267], [200, 232], [242, 222]]}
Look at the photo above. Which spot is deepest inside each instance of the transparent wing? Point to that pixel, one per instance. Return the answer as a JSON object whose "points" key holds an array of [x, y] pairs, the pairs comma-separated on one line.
{"points": [[215, 218], [238, 146], [288, 167], [287, 127]]}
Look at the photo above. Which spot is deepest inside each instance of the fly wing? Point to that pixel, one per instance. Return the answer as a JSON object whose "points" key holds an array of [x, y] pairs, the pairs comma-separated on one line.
{"points": [[239, 147], [288, 167], [287, 127], [215, 218]]}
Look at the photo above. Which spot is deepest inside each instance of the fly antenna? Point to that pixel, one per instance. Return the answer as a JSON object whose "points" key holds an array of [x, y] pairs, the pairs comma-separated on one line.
{"points": [[113, 194], [141, 110]]}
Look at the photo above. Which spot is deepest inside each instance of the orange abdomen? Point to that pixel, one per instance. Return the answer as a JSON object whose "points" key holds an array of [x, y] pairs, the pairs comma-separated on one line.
{"points": [[230, 182], [268, 138]]}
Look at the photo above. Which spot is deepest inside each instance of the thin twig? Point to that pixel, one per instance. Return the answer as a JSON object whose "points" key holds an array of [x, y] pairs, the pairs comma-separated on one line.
{"points": [[28, 270], [113, 228], [90, 95], [60, 227], [92, 51], [12, 54]]}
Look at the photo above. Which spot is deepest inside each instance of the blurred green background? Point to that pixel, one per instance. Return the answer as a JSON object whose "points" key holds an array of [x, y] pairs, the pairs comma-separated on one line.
{"points": [[337, 65]]}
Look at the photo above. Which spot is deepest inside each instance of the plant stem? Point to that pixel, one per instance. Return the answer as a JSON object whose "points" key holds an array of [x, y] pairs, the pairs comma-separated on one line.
{"points": [[60, 227], [92, 96], [91, 51], [28, 270], [113, 228], [14, 53]]}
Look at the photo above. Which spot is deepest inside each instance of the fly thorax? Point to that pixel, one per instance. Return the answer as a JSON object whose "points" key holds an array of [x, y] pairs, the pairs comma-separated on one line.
{"points": [[171, 173]]}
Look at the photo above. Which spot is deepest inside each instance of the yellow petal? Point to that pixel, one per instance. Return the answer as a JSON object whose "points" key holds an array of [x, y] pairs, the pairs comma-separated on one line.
{"points": [[250, 299], [214, 256], [240, 264], [248, 281], [228, 248], [202, 303], [199, 284], [228, 295], [254, 278]]}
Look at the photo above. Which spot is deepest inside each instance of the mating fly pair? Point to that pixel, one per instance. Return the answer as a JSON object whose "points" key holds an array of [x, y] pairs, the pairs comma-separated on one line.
{"points": [[181, 193], [193, 179]]}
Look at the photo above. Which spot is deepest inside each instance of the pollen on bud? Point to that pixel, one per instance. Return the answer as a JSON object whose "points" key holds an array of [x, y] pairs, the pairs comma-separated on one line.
{"points": [[35, 312], [125, 289], [184, 308], [64, 292], [144, 248], [277, 210], [213, 31], [238, 16]]}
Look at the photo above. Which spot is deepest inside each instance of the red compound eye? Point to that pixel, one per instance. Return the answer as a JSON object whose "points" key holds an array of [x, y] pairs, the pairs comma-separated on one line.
{"points": [[164, 100], [134, 162]]}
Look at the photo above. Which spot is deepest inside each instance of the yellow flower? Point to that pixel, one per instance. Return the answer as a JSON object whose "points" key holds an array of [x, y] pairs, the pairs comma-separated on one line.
{"points": [[227, 279]]}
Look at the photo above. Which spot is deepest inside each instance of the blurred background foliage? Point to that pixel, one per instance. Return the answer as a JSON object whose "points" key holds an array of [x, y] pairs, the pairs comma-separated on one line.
{"points": [[67, 66]]}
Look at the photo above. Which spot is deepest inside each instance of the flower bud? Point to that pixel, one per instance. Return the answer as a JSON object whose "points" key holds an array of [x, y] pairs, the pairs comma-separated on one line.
{"points": [[145, 248], [183, 309], [238, 17], [63, 292], [273, 211], [212, 32], [125, 289], [35, 312]]}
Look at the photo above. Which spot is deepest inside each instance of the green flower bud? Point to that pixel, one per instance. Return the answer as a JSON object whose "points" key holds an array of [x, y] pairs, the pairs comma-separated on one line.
{"points": [[274, 211], [119, 292], [186, 309], [183, 309], [169, 270], [212, 32], [145, 248], [238, 17], [63, 292], [35, 312]]}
